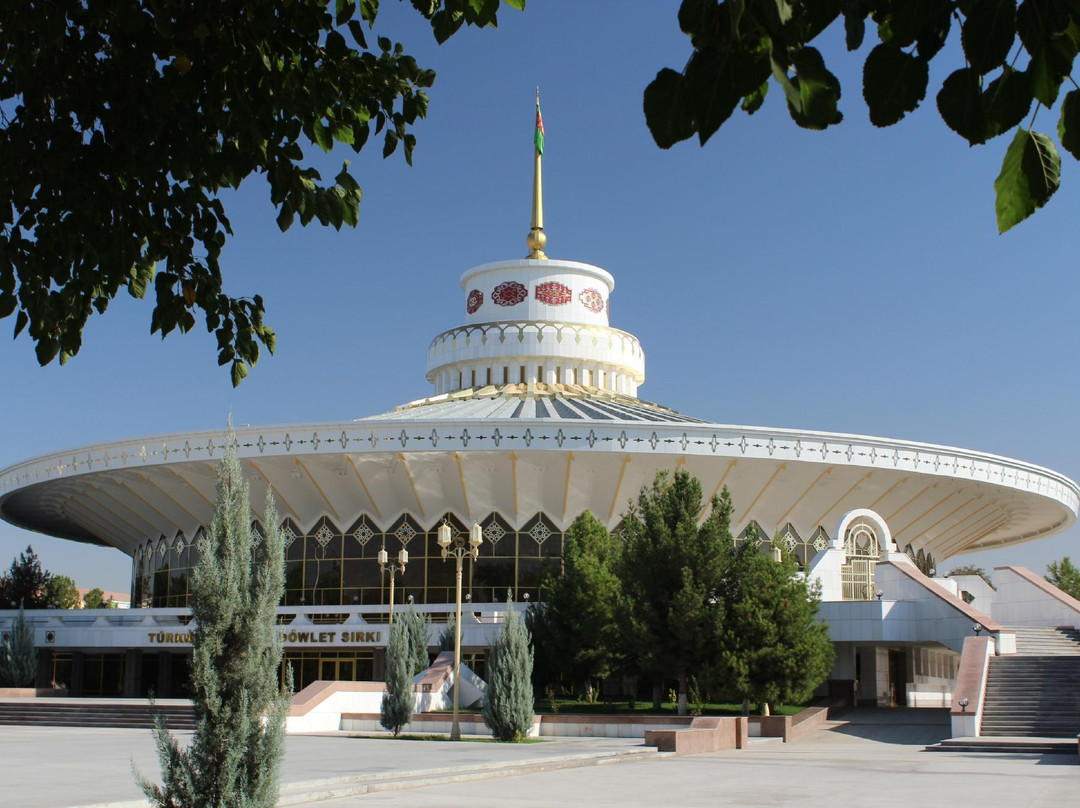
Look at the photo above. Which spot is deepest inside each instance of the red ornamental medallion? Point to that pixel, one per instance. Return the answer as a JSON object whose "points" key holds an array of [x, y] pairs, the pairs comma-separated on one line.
{"points": [[509, 294], [474, 301], [553, 293], [592, 300]]}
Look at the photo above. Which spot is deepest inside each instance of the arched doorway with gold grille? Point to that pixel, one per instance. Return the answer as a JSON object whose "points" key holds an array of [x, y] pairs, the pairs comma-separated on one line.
{"points": [[862, 547]]}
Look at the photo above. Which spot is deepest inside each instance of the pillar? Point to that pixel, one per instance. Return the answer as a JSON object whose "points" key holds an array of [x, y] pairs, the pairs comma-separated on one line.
{"points": [[132, 672]]}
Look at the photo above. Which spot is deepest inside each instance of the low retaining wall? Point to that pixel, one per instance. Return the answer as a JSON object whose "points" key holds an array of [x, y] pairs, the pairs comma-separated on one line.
{"points": [[544, 726], [32, 692], [705, 734]]}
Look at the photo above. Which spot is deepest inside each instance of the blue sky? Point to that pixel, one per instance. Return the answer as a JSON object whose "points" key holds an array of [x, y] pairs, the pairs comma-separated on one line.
{"points": [[850, 280]]}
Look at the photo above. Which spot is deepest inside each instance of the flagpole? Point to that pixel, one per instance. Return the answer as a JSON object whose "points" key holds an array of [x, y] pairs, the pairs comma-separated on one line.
{"points": [[537, 239]]}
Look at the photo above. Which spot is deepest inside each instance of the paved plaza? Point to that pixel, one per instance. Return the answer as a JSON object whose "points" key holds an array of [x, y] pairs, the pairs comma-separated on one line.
{"points": [[874, 758]]}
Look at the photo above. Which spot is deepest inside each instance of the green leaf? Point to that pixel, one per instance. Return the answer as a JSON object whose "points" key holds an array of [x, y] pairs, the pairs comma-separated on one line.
{"points": [[988, 33], [818, 89], [1069, 124], [960, 103], [894, 82], [854, 23], [1006, 101], [1045, 77], [322, 135], [239, 372], [716, 79], [358, 33], [667, 109], [1030, 174], [753, 101], [369, 9]]}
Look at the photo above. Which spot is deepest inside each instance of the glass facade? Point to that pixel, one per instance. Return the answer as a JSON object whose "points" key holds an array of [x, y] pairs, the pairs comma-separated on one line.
{"points": [[329, 565]]}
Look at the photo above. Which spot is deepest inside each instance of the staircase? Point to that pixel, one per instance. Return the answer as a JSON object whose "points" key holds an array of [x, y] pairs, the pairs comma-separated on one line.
{"points": [[1036, 692], [97, 713]]}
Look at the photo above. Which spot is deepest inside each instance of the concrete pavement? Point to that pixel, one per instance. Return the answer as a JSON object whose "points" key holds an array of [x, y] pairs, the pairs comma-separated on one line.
{"points": [[874, 757]]}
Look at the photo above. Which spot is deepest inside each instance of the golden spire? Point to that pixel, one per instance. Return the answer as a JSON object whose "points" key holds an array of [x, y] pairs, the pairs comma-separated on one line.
{"points": [[536, 238]]}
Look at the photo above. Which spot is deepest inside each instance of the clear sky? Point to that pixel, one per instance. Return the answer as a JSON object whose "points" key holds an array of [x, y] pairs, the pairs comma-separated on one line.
{"points": [[851, 280]]}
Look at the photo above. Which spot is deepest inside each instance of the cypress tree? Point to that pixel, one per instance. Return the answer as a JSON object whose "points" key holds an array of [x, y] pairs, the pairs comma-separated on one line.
{"points": [[416, 627], [446, 636], [18, 656], [240, 710], [397, 705], [508, 704]]}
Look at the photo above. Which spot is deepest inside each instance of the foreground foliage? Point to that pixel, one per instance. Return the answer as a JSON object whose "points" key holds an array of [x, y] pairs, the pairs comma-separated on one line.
{"points": [[1012, 56], [123, 122], [240, 709], [396, 709], [508, 702]]}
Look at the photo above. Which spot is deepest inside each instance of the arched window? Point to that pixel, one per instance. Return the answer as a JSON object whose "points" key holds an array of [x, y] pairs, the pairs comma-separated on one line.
{"points": [[862, 549]]}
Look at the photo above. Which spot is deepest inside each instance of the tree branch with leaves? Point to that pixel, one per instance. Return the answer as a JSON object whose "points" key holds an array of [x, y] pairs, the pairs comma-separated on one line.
{"points": [[1011, 57], [122, 124]]}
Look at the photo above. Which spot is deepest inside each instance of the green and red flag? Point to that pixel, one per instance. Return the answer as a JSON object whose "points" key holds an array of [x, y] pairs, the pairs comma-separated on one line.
{"points": [[538, 138]]}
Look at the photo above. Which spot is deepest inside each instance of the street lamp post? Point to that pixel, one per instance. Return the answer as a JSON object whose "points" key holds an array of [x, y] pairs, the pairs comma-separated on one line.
{"points": [[459, 551], [394, 567]]}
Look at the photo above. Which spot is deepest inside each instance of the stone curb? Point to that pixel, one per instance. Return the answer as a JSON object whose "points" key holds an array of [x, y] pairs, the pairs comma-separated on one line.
{"points": [[309, 791]]}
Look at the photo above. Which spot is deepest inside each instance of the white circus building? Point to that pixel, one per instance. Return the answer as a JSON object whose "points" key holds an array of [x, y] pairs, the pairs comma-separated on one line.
{"points": [[533, 416]]}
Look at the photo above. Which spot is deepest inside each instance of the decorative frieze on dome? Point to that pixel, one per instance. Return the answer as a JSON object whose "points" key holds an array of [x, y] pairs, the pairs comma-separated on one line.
{"points": [[553, 293], [474, 301], [592, 300], [509, 293]]}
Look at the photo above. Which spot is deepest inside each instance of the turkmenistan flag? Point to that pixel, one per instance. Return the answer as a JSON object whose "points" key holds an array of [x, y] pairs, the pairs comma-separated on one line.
{"points": [[538, 138]]}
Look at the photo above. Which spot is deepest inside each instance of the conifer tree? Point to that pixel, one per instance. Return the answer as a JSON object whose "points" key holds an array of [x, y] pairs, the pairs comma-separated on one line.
{"points": [[1065, 576], [671, 570], [775, 649], [508, 703], [240, 709], [396, 709], [579, 615], [26, 584], [446, 636], [18, 656], [416, 626]]}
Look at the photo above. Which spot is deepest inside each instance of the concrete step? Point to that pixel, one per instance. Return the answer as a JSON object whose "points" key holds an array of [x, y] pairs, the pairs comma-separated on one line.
{"points": [[1006, 746], [43, 714]]}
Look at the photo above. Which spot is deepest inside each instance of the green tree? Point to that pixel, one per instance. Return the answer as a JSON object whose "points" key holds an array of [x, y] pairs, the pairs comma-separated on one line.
{"points": [[508, 701], [26, 584], [95, 599], [581, 605], [1010, 59], [396, 709], [775, 649], [671, 570], [240, 711], [18, 655], [1065, 576], [417, 626], [125, 121], [62, 593], [971, 569], [446, 636]]}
